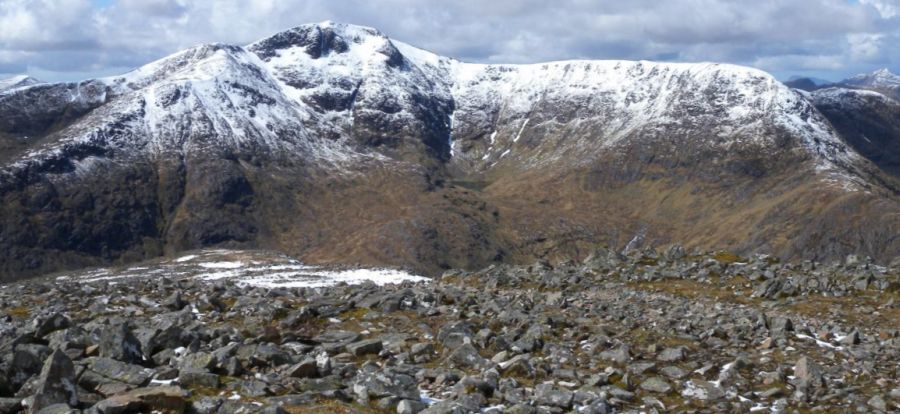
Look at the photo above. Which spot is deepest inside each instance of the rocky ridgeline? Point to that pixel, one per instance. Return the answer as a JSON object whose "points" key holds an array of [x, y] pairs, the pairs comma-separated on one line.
{"points": [[643, 332]]}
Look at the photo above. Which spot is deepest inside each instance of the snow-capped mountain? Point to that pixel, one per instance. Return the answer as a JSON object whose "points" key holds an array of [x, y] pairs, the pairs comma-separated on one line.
{"points": [[334, 90], [17, 82], [881, 78], [881, 81], [869, 121], [335, 142]]}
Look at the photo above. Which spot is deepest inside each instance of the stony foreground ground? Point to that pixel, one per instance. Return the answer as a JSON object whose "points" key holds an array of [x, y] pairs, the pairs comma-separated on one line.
{"points": [[645, 332]]}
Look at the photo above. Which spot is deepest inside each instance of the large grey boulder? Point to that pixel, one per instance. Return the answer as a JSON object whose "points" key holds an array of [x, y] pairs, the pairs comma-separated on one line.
{"points": [[56, 384], [117, 342]]}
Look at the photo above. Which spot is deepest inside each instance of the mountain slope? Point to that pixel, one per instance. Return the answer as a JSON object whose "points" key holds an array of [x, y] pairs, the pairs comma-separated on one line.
{"points": [[337, 144], [868, 121], [882, 81], [17, 82], [603, 105]]}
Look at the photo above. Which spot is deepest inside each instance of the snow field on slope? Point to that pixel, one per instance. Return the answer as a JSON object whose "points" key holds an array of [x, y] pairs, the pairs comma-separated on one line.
{"points": [[249, 268]]}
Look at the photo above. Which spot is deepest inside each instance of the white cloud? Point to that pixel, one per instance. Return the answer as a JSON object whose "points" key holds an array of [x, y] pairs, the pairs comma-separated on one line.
{"points": [[33, 25], [779, 35], [886, 8], [800, 63], [864, 46]]}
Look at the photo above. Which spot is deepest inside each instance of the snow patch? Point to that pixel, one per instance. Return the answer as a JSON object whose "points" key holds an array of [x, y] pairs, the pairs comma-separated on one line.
{"points": [[311, 277], [820, 343], [222, 265], [519, 135], [251, 268]]}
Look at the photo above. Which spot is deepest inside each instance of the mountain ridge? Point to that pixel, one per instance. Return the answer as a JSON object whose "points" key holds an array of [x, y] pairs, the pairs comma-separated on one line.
{"points": [[302, 139], [881, 80]]}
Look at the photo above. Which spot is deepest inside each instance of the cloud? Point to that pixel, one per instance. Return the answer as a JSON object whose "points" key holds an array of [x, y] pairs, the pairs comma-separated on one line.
{"points": [[800, 62], [886, 8], [864, 46], [46, 25], [67, 38]]}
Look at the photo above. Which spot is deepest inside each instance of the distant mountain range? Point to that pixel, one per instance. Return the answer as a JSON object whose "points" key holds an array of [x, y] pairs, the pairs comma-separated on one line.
{"points": [[882, 81], [339, 145], [865, 109]]}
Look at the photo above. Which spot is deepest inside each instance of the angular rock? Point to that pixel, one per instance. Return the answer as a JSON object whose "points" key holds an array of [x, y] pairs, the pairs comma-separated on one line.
{"points": [[10, 405], [252, 388], [410, 407], [198, 378], [673, 372], [27, 361], [383, 384], [174, 302], [206, 405], [851, 339], [466, 356], [702, 390], [546, 394], [421, 348], [165, 399], [330, 337], [808, 375], [620, 354], [877, 403], [267, 355], [197, 361], [56, 384], [517, 366], [112, 370], [117, 342], [779, 326], [657, 385], [366, 347], [308, 368], [51, 324], [671, 354], [58, 409]]}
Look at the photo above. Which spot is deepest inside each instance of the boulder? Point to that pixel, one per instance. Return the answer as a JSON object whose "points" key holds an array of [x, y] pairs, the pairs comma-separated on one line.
{"points": [[808, 375], [546, 394], [466, 356], [117, 342], [52, 323], [56, 384], [104, 370], [165, 399], [657, 385], [369, 346]]}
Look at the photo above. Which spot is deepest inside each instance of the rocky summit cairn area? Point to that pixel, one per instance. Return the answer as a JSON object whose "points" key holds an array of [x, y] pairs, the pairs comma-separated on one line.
{"points": [[643, 332]]}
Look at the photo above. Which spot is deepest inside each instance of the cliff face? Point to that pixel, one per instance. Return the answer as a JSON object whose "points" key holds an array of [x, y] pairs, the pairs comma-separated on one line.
{"points": [[334, 143]]}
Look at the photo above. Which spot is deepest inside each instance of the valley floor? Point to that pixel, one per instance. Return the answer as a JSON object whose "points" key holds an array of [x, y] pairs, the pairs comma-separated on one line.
{"points": [[212, 332]]}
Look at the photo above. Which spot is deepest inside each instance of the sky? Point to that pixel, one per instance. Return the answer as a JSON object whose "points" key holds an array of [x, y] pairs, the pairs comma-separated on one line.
{"points": [[63, 40]]}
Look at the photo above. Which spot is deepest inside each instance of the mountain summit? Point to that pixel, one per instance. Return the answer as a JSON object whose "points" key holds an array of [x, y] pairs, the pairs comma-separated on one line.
{"points": [[335, 143], [17, 82], [881, 78]]}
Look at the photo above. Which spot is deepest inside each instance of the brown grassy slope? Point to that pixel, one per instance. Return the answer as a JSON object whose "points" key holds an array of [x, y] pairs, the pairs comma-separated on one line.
{"points": [[557, 217], [403, 214]]}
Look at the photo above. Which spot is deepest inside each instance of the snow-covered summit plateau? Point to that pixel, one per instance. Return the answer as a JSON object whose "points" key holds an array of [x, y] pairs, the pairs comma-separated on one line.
{"points": [[334, 91]]}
